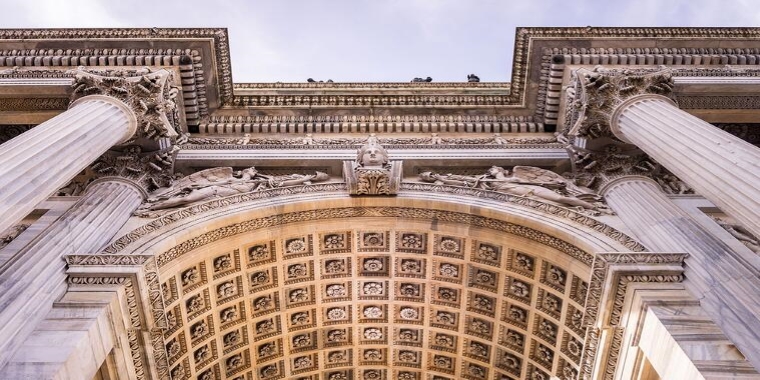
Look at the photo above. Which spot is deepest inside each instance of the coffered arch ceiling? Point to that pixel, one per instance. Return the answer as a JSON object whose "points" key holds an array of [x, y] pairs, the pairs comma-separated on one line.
{"points": [[348, 288], [395, 297]]}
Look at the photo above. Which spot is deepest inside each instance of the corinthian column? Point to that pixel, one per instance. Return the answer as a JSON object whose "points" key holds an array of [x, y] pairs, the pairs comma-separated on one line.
{"points": [[38, 162], [632, 107], [719, 166], [33, 279], [112, 107], [714, 274]]}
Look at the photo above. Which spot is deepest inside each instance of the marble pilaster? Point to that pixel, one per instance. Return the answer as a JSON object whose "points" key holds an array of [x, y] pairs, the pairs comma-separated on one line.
{"points": [[31, 281], [714, 274]]}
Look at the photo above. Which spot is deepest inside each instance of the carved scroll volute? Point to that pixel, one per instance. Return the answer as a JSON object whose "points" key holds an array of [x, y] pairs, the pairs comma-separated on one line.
{"points": [[372, 173]]}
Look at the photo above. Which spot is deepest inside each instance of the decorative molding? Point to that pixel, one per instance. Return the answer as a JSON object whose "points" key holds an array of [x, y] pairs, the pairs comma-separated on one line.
{"points": [[376, 101], [134, 310], [33, 104], [611, 273], [135, 345], [724, 102], [369, 124], [372, 85], [554, 61], [127, 57], [433, 142], [58, 66], [105, 259]]}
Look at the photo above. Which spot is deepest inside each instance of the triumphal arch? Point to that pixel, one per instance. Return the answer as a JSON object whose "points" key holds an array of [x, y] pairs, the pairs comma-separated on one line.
{"points": [[595, 218]]}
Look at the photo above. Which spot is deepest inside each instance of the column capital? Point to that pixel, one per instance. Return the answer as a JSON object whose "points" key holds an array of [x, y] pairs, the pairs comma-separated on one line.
{"points": [[149, 93], [146, 155], [147, 170], [600, 151], [599, 168], [595, 95]]}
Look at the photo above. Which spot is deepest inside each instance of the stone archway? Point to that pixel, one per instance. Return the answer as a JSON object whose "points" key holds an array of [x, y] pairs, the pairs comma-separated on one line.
{"points": [[503, 283]]}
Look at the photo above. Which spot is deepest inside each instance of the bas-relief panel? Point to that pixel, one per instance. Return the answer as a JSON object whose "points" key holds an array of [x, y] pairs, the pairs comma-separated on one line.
{"points": [[397, 299]]}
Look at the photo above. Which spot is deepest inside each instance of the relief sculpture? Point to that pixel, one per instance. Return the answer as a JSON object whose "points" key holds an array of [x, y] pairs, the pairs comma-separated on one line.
{"points": [[525, 181], [217, 183]]}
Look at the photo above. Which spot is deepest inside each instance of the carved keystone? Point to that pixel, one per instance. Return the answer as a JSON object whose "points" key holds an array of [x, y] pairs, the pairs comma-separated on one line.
{"points": [[372, 173]]}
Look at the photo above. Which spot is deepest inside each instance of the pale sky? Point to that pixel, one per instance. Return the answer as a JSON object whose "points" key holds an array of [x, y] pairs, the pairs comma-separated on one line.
{"points": [[373, 40]]}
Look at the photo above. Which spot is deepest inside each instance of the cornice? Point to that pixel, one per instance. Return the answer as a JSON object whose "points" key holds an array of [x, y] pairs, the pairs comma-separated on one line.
{"points": [[534, 53], [372, 85], [369, 123], [181, 47]]}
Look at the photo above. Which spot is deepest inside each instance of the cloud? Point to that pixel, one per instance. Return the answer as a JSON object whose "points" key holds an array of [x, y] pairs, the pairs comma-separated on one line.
{"points": [[375, 40], [59, 14]]}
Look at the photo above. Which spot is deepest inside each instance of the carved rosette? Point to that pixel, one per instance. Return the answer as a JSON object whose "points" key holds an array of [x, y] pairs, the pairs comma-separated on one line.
{"points": [[150, 94]]}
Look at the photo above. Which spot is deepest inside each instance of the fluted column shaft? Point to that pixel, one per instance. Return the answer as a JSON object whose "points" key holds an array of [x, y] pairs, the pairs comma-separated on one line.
{"points": [[719, 166], [714, 274], [33, 279], [38, 162]]}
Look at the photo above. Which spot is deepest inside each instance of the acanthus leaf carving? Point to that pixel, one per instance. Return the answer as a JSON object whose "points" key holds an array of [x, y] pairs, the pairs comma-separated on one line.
{"points": [[149, 93], [595, 168], [598, 155], [595, 94]]}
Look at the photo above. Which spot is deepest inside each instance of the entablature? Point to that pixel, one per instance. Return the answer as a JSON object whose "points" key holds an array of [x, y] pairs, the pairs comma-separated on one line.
{"points": [[190, 159]]}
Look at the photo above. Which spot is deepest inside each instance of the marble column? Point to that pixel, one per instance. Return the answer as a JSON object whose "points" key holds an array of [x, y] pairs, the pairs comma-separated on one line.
{"points": [[714, 274], [38, 162], [35, 278], [719, 166]]}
